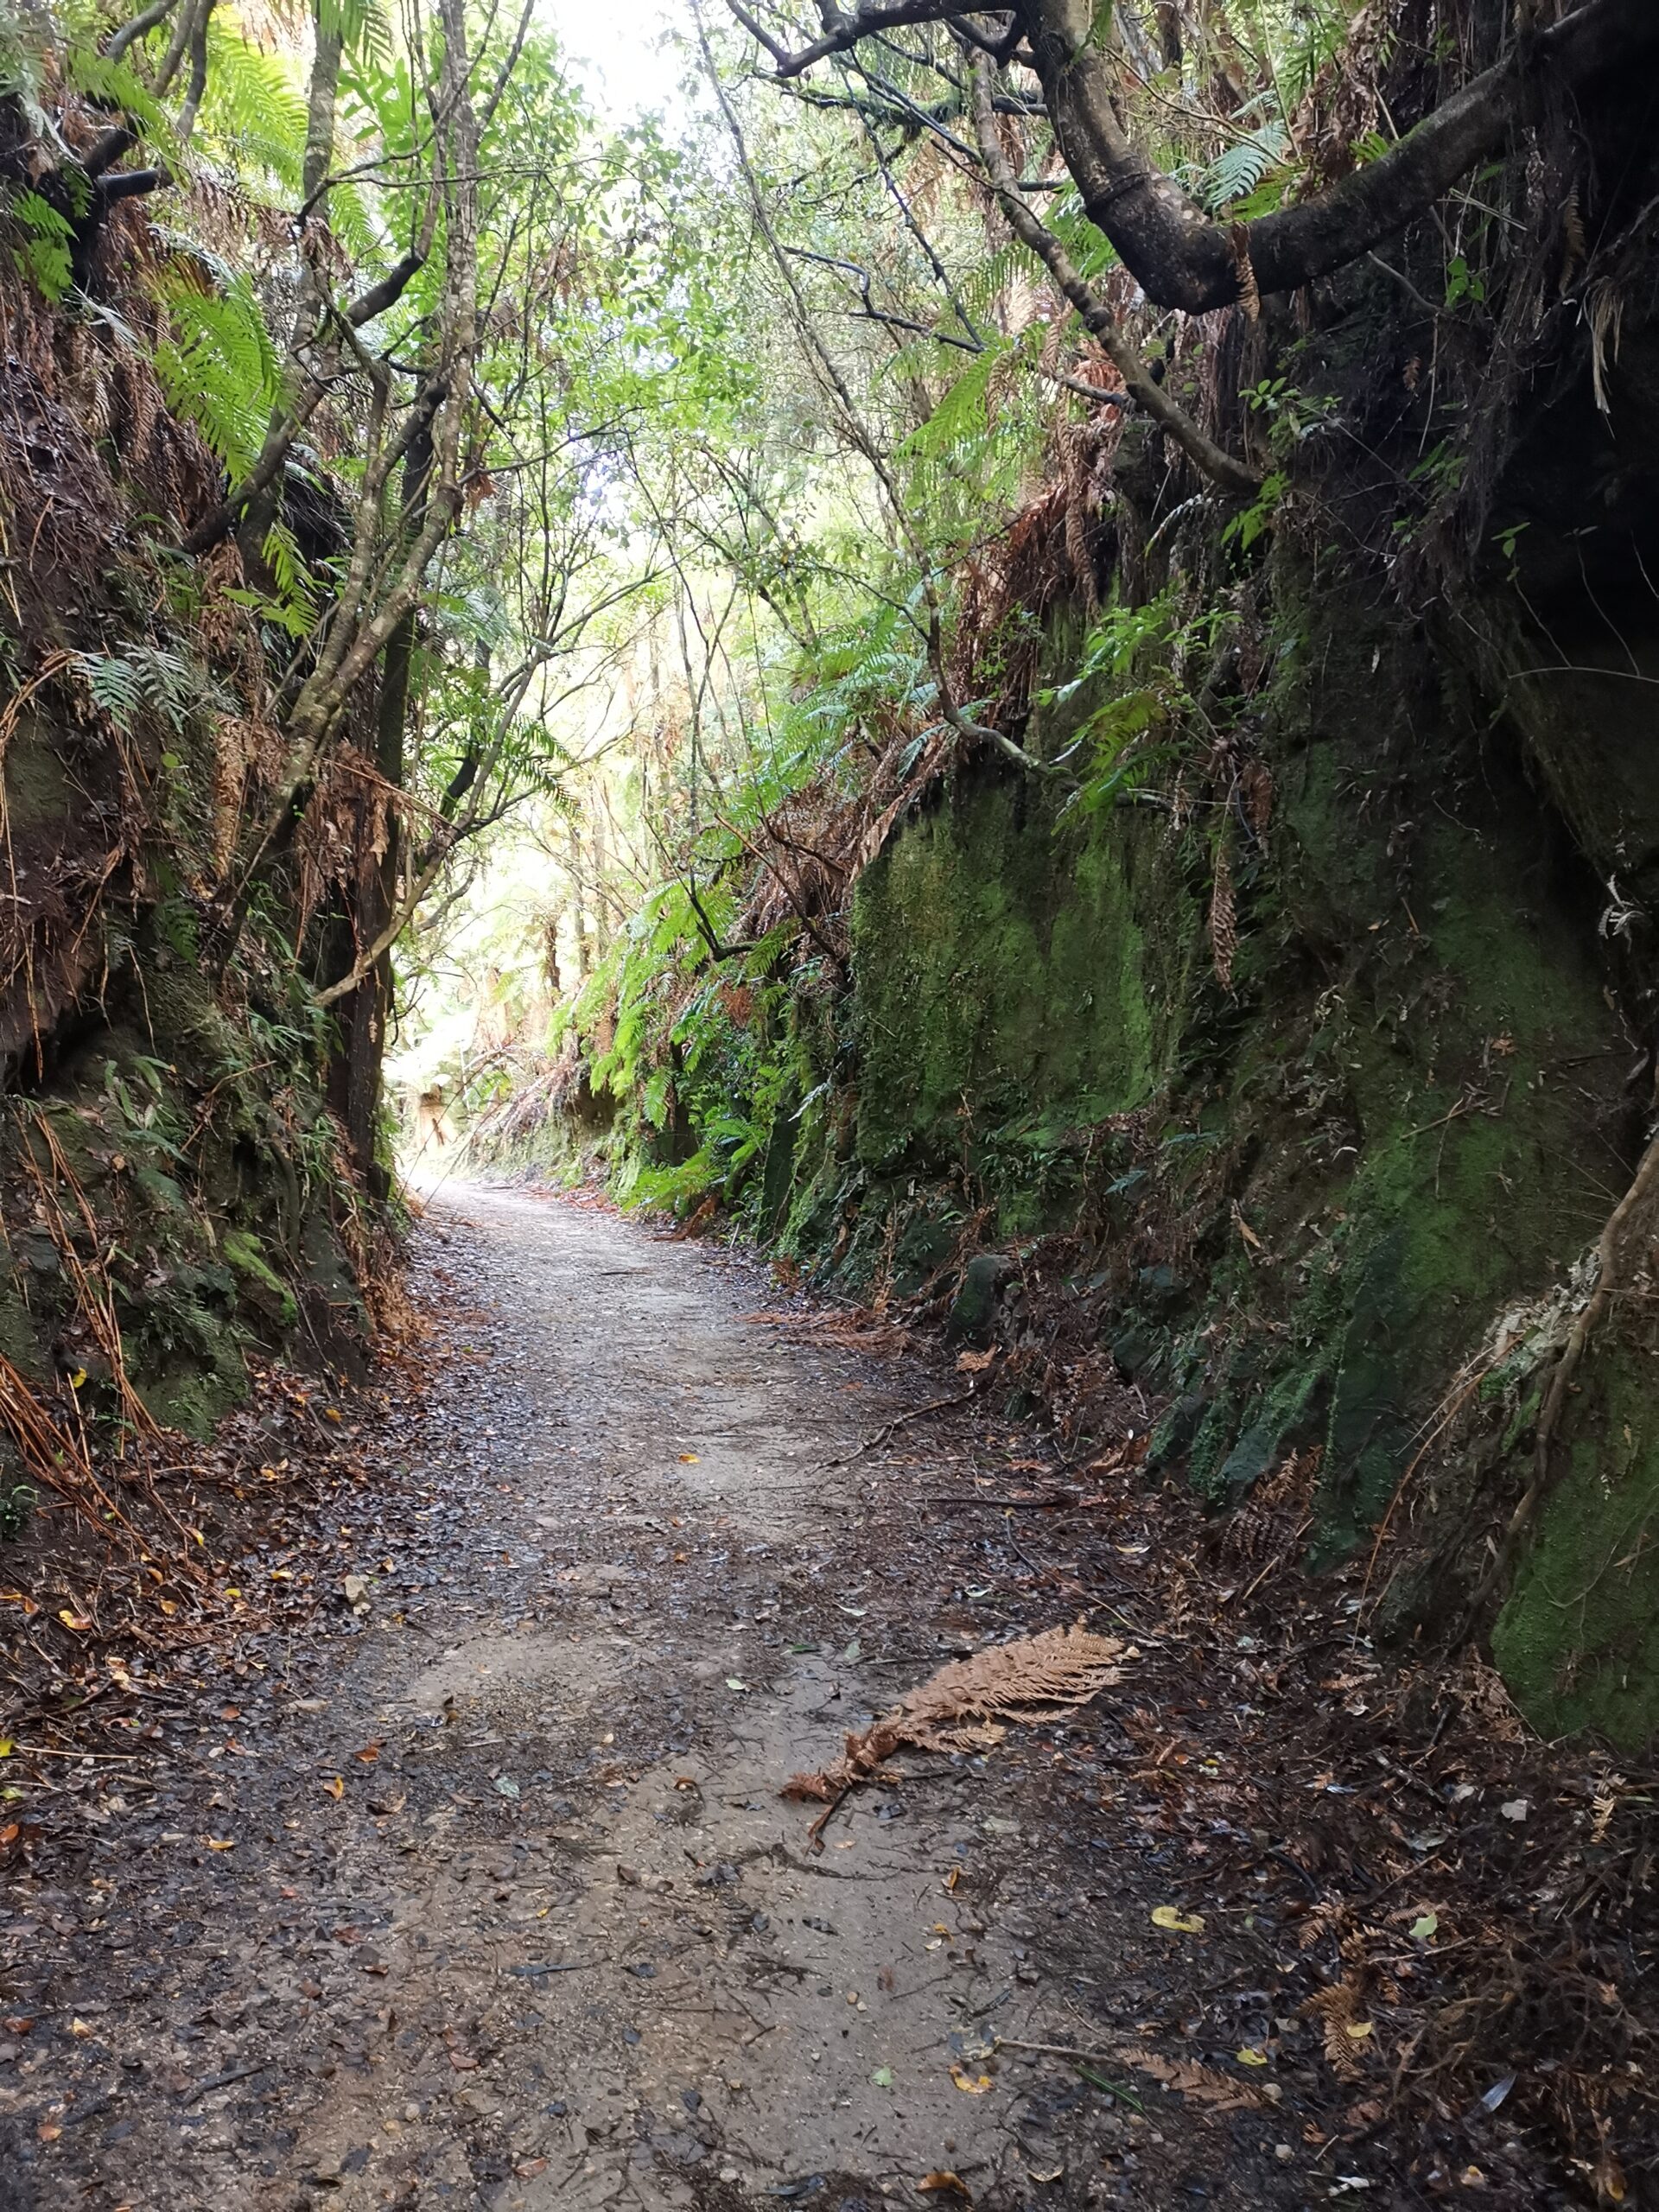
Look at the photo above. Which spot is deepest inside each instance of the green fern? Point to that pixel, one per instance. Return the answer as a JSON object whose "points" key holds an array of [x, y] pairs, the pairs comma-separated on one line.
{"points": [[116, 85], [364, 26], [1238, 173], [963, 409], [296, 600], [254, 110], [143, 679], [43, 253], [219, 368]]}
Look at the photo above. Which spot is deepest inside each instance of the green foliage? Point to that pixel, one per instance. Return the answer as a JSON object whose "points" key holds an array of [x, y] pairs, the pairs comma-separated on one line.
{"points": [[219, 368], [117, 87], [143, 679], [962, 413], [1253, 522], [17, 1503], [254, 110], [43, 251], [1236, 174]]}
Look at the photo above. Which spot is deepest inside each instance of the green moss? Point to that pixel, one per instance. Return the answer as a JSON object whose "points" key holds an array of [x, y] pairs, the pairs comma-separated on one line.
{"points": [[1009, 987], [242, 1249], [1578, 1640]]}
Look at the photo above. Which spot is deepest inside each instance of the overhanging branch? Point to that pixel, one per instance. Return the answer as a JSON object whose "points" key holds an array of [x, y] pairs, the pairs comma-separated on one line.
{"points": [[1200, 447]]}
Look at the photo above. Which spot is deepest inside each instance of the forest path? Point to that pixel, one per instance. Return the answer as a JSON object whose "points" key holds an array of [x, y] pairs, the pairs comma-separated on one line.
{"points": [[507, 1910]]}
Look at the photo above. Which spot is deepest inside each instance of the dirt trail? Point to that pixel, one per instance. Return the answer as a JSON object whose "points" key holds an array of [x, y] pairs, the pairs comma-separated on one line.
{"points": [[511, 1913]]}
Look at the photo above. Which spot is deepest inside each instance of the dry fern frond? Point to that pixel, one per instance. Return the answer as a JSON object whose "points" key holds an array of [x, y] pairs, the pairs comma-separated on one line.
{"points": [[1199, 2085], [1224, 926], [962, 1706], [1336, 2009]]}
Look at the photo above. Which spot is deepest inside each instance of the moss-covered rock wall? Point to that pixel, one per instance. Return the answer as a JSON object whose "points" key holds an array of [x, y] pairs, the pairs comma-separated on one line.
{"points": [[1337, 1203]]}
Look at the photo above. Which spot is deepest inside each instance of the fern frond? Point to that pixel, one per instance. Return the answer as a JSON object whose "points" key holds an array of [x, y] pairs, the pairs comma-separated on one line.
{"points": [[254, 109], [219, 368], [1237, 172], [114, 84]]}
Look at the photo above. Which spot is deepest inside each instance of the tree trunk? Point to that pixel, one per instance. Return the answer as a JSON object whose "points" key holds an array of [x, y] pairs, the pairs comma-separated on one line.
{"points": [[365, 1014]]}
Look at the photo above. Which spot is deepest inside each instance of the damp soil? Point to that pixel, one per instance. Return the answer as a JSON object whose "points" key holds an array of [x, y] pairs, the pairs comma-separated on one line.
{"points": [[482, 1893]]}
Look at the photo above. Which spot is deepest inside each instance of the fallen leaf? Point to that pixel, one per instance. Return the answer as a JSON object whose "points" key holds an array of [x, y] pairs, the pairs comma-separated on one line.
{"points": [[369, 1754], [1357, 2030], [1424, 1926], [971, 2085], [882, 2077], [732, 1683], [47, 2132], [1172, 1916], [220, 1843], [689, 1458], [335, 1786], [73, 1620], [1251, 2057], [1516, 1809], [80, 2028], [953, 1878], [525, 2167], [463, 2061], [943, 2178]]}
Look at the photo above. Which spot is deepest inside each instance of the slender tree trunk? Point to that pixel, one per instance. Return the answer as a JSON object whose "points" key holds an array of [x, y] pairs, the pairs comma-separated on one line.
{"points": [[254, 526], [365, 1014], [578, 918]]}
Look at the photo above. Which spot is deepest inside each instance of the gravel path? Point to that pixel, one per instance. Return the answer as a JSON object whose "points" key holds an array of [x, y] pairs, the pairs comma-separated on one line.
{"points": [[507, 1910]]}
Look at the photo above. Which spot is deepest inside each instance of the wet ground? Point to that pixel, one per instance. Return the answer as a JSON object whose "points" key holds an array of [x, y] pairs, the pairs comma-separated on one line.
{"points": [[488, 1897]]}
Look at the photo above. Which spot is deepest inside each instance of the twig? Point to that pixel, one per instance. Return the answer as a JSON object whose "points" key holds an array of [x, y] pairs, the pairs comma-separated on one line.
{"points": [[1010, 1505], [900, 1421], [1077, 2057], [223, 2080]]}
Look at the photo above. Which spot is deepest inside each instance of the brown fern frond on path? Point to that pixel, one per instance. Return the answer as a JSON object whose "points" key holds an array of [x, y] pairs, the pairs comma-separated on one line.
{"points": [[963, 1707]]}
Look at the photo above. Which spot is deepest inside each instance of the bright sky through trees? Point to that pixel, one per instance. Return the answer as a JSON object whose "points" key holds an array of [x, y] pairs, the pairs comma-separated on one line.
{"points": [[620, 54]]}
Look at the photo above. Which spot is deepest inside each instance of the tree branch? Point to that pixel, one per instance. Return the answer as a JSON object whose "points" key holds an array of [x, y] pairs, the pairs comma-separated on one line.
{"points": [[842, 32], [141, 24], [1177, 255], [1200, 448]]}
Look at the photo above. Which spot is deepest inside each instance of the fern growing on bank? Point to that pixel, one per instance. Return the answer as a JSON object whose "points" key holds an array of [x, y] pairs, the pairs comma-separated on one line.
{"points": [[219, 367]]}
